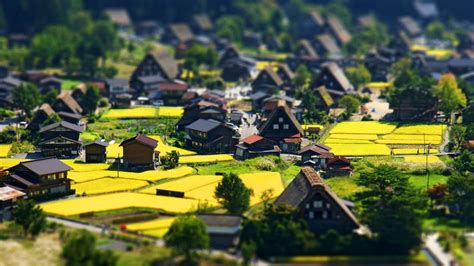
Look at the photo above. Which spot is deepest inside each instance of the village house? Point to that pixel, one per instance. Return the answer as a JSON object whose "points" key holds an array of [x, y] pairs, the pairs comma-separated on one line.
{"points": [[223, 230], [79, 94], [40, 116], [317, 204], [39, 177], [282, 128], [201, 24], [60, 139], [316, 155], [156, 67], [18, 40], [235, 72], [410, 27], [257, 100], [325, 101], [168, 92], [287, 76], [305, 51], [335, 81], [119, 17], [210, 136], [70, 117], [378, 66], [256, 146], [7, 85], [139, 152], [200, 110], [326, 46], [311, 24], [66, 103], [49, 83], [96, 151], [338, 30], [232, 55], [252, 39], [338, 166], [178, 34], [147, 28], [271, 103], [8, 198], [267, 81], [116, 86]]}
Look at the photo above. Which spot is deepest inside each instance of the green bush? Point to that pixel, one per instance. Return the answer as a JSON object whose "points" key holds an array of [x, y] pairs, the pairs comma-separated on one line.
{"points": [[265, 164]]}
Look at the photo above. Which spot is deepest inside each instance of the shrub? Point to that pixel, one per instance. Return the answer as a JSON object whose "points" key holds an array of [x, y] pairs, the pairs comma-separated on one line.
{"points": [[265, 164]]}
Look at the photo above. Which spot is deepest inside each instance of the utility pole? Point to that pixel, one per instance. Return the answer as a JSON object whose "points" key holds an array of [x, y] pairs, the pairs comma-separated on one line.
{"points": [[427, 151]]}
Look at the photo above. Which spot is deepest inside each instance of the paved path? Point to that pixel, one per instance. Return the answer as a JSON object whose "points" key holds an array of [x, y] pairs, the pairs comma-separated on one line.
{"points": [[436, 252], [250, 128]]}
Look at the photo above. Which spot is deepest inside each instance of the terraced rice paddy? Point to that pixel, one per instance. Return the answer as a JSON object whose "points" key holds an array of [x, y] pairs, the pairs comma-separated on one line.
{"points": [[205, 158], [144, 112], [107, 185], [151, 175], [156, 228], [422, 159], [164, 148], [373, 138], [185, 184], [117, 201], [4, 150]]}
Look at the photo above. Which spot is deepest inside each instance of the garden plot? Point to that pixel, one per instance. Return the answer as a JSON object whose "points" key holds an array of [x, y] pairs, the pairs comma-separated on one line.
{"points": [[366, 127], [117, 201], [107, 185], [359, 149]]}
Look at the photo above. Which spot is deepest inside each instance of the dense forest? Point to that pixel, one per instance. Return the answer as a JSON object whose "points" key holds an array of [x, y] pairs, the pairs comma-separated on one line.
{"points": [[28, 16]]}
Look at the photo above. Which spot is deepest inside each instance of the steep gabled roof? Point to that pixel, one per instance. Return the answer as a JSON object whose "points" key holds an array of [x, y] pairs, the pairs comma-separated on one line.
{"points": [[302, 187], [167, 64], [316, 18], [271, 74], [308, 49], [325, 96], [69, 101], [317, 148], [47, 109], [119, 16], [140, 138], [285, 70], [182, 32], [203, 22], [286, 110], [339, 30], [339, 75], [64, 124], [410, 25], [45, 166], [328, 43]]}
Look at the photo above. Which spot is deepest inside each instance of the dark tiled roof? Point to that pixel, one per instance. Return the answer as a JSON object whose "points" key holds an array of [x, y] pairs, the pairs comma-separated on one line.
{"points": [[64, 124], [220, 220], [12, 81], [49, 79], [302, 187], [203, 125], [46, 166], [98, 142], [117, 82], [143, 139], [317, 148], [151, 79], [69, 115], [258, 95]]}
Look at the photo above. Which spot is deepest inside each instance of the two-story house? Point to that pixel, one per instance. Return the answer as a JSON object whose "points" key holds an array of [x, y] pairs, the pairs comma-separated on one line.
{"points": [[140, 153], [267, 81], [60, 139], [210, 136], [335, 81]]}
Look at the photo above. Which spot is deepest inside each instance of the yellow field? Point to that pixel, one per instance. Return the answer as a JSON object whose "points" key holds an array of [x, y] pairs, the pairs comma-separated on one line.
{"points": [[360, 149], [151, 175], [413, 151], [379, 85], [4, 150], [113, 150], [160, 232], [353, 141], [106, 185], [80, 166], [421, 129], [144, 112], [205, 158], [184, 184], [407, 142], [164, 148], [9, 162], [258, 182], [422, 159], [437, 53], [118, 201], [354, 136], [153, 224], [363, 127]]}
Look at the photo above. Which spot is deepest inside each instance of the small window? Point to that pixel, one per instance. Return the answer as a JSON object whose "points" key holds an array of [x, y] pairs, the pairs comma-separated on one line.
{"points": [[280, 119], [286, 126], [311, 215], [307, 205], [317, 204], [328, 205], [325, 214], [275, 126]]}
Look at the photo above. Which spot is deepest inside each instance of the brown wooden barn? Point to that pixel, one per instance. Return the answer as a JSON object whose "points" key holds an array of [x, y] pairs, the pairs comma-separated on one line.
{"points": [[139, 152], [96, 152]]}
